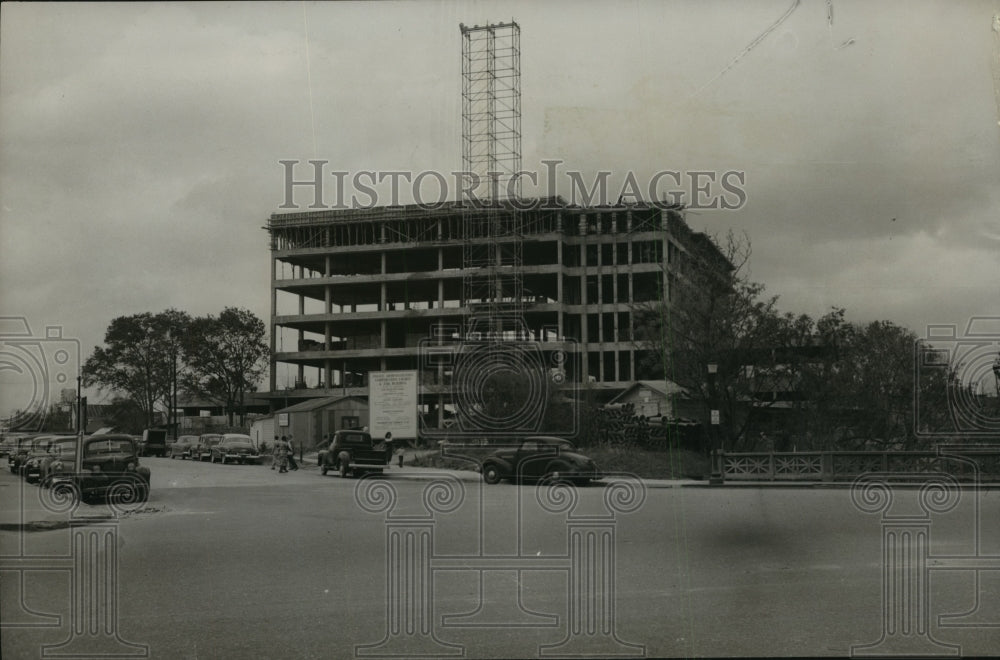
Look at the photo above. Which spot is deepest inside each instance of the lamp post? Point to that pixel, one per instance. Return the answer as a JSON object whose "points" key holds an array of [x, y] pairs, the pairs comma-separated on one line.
{"points": [[172, 394], [716, 478]]}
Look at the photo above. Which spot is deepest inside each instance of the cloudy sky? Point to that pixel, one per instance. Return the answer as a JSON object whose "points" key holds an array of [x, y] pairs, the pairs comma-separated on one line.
{"points": [[139, 143]]}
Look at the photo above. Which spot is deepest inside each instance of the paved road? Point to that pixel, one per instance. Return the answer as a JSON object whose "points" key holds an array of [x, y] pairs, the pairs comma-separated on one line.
{"points": [[239, 561]]}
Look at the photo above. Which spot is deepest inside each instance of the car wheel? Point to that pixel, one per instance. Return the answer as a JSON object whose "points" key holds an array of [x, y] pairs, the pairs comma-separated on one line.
{"points": [[491, 474], [345, 462], [223, 460], [212, 459], [323, 470]]}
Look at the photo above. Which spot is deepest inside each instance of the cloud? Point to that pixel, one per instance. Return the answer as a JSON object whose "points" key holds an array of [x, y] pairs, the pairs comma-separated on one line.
{"points": [[140, 142]]}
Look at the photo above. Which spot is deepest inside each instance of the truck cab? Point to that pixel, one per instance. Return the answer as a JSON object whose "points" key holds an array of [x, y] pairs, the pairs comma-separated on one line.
{"points": [[154, 442], [352, 452]]}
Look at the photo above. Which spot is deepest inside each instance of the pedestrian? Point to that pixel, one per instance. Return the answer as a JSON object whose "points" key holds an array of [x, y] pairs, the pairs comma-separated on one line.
{"points": [[291, 455], [325, 445], [274, 452], [281, 452], [388, 447]]}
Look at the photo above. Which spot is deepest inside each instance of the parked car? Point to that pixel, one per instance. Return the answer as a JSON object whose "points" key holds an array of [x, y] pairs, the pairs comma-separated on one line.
{"points": [[9, 443], [183, 446], [31, 469], [16, 457], [203, 450], [154, 443], [536, 457], [353, 451], [235, 448], [108, 465], [59, 461]]}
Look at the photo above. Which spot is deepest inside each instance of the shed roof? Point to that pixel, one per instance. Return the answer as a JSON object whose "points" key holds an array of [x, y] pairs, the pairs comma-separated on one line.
{"points": [[663, 387], [316, 404]]}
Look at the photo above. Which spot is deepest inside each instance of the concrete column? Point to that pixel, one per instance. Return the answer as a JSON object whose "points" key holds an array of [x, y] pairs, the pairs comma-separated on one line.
{"points": [[273, 377], [592, 618]]}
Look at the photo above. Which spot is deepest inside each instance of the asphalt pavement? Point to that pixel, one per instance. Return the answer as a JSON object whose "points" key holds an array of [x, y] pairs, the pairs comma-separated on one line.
{"points": [[230, 561]]}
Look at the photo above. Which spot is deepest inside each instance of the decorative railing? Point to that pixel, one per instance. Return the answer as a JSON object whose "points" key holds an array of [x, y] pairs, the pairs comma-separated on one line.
{"points": [[966, 462]]}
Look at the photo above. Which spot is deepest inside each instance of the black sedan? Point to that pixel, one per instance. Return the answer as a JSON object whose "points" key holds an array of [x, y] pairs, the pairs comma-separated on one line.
{"points": [[235, 448], [31, 462], [184, 446], [538, 457], [59, 459]]}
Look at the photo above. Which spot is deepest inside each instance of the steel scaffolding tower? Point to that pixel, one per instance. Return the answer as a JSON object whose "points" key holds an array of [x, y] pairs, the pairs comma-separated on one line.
{"points": [[491, 155]]}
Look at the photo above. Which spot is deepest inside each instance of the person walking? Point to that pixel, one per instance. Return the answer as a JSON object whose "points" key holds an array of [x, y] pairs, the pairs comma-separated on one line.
{"points": [[388, 448], [274, 452], [281, 454], [325, 445], [291, 455]]}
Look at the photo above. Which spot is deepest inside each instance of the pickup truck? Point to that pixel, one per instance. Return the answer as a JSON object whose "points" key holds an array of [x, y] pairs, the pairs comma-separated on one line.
{"points": [[353, 452], [154, 443], [106, 465]]}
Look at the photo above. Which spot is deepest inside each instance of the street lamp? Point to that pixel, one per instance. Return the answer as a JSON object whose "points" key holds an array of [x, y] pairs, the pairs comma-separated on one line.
{"points": [[172, 395], [716, 478]]}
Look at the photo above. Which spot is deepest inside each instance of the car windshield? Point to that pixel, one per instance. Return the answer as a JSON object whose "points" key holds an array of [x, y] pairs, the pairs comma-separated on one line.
{"points": [[235, 443], [102, 447], [563, 445], [63, 446]]}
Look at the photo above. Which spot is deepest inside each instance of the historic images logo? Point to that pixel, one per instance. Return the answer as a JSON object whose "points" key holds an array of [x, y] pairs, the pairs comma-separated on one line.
{"points": [[41, 371], [512, 384], [429, 189], [957, 380], [417, 617], [91, 567], [909, 556], [35, 370]]}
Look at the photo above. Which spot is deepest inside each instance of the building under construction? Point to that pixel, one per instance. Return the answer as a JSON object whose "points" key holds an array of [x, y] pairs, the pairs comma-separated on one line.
{"points": [[356, 291], [482, 292]]}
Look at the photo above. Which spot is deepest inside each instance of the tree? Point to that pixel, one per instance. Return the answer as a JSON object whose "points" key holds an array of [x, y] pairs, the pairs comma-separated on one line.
{"points": [[136, 359], [714, 315], [225, 357]]}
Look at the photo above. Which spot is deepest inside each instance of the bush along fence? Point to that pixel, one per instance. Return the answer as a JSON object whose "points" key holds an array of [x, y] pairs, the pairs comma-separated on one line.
{"points": [[964, 462], [623, 427]]}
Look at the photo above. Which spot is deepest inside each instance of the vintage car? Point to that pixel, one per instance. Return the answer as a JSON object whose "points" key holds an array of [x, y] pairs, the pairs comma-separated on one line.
{"points": [[235, 448], [538, 457], [203, 450], [29, 457], [9, 443], [353, 452], [59, 461], [20, 451], [31, 469], [107, 466], [183, 446]]}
